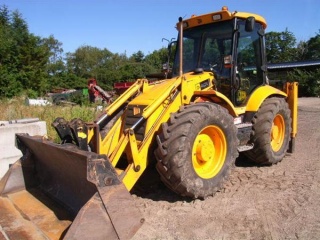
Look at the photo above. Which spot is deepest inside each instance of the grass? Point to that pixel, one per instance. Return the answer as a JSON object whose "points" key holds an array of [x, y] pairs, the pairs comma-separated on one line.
{"points": [[16, 109]]}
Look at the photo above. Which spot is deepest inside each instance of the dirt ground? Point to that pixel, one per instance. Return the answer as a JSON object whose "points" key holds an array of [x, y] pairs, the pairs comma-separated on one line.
{"points": [[277, 202]]}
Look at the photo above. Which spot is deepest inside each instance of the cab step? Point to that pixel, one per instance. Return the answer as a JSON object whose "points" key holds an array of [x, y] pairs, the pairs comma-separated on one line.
{"points": [[244, 134]]}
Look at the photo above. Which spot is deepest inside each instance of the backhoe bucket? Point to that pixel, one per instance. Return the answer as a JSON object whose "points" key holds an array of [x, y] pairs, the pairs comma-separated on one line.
{"points": [[60, 192]]}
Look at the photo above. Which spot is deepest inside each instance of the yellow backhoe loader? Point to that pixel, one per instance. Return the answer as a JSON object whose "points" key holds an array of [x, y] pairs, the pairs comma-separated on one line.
{"points": [[214, 102]]}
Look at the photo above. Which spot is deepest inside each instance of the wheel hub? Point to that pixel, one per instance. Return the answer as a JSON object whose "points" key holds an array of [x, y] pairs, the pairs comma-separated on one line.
{"points": [[205, 148], [277, 133], [209, 152]]}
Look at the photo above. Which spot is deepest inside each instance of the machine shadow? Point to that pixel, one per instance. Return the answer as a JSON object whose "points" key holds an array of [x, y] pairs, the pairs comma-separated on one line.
{"points": [[150, 186]]}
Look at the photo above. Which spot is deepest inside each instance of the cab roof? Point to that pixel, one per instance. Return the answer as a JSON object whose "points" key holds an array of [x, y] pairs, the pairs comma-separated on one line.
{"points": [[219, 16]]}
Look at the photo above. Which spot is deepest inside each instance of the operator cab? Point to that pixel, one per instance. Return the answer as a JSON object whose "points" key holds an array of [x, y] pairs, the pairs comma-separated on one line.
{"points": [[232, 49]]}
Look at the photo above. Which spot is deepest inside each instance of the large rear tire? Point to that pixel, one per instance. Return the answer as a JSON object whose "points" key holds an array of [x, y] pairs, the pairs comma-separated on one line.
{"points": [[271, 132], [197, 149]]}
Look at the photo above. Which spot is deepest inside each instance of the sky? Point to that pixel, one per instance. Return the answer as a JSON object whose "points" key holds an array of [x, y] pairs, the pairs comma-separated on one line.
{"points": [[129, 26]]}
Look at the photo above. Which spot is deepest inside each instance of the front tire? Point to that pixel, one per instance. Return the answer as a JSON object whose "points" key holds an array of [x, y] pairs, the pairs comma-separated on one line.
{"points": [[271, 132], [197, 149]]}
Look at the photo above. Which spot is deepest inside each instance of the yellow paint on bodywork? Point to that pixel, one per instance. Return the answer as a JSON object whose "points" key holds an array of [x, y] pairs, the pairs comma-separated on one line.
{"points": [[109, 143], [209, 151], [160, 100], [292, 99], [260, 94], [225, 15], [151, 93], [137, 151], [277, 133], [82, 135], [223, 100], [136, 87], [192, 82]]}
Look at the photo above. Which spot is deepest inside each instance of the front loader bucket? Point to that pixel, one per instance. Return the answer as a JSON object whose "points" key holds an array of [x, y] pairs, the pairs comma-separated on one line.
{"points": [[60, 192]]}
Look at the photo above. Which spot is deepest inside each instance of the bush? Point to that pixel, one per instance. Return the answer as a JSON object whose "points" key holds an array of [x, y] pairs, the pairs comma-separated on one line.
{"points": [[309, 82], [31, 93]]}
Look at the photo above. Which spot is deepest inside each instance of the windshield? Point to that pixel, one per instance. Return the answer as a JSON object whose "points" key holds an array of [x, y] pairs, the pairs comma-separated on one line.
{"points": [[204, 47]]}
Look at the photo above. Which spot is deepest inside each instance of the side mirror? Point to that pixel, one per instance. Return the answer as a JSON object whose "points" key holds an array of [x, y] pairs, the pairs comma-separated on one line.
{"points": [[250, 24]]}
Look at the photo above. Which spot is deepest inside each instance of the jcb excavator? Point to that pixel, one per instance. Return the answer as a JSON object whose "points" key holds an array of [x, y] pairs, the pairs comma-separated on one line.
{"points": [[215, 103]]}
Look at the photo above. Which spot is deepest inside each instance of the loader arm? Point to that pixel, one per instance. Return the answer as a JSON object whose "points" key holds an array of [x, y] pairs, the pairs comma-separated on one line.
{"points": [[136, 151], [130, 140], [119, 103]]}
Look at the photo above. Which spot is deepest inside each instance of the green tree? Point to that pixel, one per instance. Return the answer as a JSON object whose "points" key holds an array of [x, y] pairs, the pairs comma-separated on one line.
{"points": [[8, 60], [137, 57], [23, 58], [111, 70], [91, 62], [280, 46], [313, 47], [55, 67], [309, 82], [301, 51], [157, 58], [85, 61], [132, 71]]}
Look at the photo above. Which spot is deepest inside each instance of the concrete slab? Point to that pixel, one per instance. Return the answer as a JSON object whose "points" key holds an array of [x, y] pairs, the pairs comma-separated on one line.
{"points": [[8, 152]]}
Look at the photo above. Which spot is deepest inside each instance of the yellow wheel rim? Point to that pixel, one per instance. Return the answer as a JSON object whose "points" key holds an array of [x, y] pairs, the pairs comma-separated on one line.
{"points": [[209, 152], [277, 133]]}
